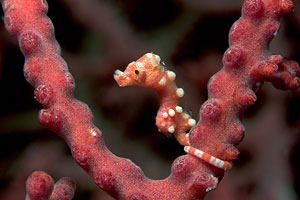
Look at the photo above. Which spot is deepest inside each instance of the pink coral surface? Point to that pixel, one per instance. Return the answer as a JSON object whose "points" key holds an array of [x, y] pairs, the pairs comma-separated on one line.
{"points": [[247, 63]]}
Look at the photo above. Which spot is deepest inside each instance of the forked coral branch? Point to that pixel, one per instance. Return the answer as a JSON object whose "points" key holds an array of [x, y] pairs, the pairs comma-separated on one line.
{"points": [[247, 64]]}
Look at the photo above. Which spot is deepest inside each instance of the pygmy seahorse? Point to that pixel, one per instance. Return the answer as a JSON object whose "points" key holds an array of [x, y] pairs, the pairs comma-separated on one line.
{"points": [[148, 72]]}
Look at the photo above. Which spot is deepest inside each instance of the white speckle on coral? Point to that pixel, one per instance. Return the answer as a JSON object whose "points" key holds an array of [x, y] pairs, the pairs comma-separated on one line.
{"points": [[93, 132], [171, 75], [180, 92], [178, 109], [192, 122], [165, 115], [171, 112], [171, 129]]}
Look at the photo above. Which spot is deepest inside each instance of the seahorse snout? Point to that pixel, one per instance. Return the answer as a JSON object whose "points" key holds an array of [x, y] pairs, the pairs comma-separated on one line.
{"points": [[121, 78]]}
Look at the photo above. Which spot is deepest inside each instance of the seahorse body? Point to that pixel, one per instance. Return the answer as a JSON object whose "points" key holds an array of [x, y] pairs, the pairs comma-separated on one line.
{"points": [[148, 72]]}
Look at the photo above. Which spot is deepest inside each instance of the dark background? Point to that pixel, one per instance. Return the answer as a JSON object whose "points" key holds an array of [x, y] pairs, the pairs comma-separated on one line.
{"points": [[99, 36]]}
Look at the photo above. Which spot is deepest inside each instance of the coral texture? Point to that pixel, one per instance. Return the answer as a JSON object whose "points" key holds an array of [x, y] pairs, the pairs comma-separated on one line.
{"points": [[247, 63], [40, 186]]}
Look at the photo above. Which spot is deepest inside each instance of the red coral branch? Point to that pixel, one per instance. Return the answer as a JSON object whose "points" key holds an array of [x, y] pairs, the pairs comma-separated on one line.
{"points": [[247, 63]]}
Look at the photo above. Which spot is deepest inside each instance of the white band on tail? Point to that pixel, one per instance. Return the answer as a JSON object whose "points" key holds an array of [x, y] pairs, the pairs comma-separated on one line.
{"points": [[208, 158]]}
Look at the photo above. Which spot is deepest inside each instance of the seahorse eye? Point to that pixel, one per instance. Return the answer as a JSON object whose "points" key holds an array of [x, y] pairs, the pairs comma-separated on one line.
{"points": [[136, 71]]}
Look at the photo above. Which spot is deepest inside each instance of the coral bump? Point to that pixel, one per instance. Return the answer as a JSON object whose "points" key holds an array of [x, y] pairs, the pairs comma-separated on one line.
{"points": [[40, 186], [247, 63]]}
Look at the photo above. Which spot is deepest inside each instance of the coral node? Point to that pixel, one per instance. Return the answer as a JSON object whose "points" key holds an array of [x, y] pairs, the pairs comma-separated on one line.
{"points": [[253, 8], [232, 57]]}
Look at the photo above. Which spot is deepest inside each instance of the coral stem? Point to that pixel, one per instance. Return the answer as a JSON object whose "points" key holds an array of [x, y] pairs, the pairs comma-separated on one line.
{"points": [[247, 63]]}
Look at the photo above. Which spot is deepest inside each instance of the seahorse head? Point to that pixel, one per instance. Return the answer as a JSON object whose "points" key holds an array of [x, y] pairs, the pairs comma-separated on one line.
{"points": [[146, 72]]}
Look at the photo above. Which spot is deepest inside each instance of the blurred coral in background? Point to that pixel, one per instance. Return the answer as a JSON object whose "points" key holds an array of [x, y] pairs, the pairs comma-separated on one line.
{"points": [[99, 36]]}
